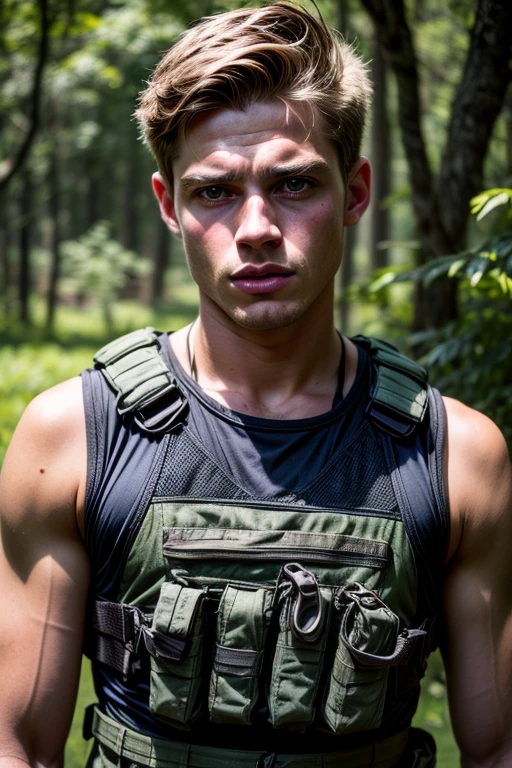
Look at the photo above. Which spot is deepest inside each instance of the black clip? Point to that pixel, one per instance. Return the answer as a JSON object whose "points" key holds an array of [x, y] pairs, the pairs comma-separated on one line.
{"points": [[309, 608], [163, 647], [267, 761], [88, 721], [156, 415]]}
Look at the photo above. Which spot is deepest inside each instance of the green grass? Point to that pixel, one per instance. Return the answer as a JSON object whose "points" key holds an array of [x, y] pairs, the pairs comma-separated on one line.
{"points": [[32, 361]]}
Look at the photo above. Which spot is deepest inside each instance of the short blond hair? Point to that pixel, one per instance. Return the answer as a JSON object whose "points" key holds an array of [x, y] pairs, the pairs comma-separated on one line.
{"points": [[237, 58]]}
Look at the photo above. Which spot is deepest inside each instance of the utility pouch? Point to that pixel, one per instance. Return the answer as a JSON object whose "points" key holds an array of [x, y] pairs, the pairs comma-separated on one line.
{"points": [[176, 663], [367, 641], [242, 625], [304, 619]]}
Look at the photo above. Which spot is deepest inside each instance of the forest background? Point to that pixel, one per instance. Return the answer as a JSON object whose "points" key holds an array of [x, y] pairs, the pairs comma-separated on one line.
{"points": [[84, 255]]}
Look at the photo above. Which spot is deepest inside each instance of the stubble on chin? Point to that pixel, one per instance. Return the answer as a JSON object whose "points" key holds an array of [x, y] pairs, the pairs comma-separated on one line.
{"points": [[266, 318]]}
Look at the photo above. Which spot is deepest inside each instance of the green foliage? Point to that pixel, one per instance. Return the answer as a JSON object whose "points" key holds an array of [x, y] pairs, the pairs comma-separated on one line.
{"points": [[471, 358], [99, 267], [26, 370]]}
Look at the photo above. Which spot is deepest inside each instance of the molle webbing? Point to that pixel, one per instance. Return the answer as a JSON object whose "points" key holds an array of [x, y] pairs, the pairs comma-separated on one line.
{"points": [[399, 394], [144, 385], [160, 753]]}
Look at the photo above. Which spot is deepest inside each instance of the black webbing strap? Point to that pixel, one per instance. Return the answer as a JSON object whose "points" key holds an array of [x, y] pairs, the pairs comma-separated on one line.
{"points": [[144, 385], [123, 637], [117, 636], [399, 397]]}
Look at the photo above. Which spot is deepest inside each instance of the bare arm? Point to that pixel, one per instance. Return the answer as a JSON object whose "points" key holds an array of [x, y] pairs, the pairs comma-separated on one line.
{"points": [[44, 575], [478, 594]]}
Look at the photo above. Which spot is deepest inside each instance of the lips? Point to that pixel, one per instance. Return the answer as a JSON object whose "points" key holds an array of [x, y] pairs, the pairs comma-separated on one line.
{"points": [[262, 278]]}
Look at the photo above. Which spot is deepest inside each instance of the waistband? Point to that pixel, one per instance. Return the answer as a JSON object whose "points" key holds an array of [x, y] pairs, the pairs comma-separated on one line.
{"points": [[160, 753]]}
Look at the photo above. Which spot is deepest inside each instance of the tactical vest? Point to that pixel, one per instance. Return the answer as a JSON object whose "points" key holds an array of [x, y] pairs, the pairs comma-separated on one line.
{"points": [[242, 611]]}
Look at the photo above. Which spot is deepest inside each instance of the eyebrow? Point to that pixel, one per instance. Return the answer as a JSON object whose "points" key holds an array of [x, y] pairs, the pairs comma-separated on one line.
{"points": [[269, 174]]}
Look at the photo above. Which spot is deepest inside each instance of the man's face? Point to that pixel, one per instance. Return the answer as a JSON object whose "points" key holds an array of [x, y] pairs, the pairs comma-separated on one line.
{"points": [[260, 203]]}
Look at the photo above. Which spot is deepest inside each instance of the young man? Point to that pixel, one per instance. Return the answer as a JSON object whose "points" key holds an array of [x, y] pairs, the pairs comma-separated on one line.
{"points": [[274, 524]]}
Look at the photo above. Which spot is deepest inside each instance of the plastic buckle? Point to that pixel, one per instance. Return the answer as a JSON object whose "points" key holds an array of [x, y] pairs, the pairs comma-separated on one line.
{"points": [[160, 417], [309, 609], [267, 761], [357, 593]]}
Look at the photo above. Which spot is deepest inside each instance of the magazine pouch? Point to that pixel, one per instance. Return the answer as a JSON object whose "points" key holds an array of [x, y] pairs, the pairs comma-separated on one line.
{"points": [[176, 669], [304, 618], [242, 625], [367, 640]]}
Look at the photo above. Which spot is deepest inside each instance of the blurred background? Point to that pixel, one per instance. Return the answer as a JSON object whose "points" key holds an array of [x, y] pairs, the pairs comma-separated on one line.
{"points": [[84, 255]]}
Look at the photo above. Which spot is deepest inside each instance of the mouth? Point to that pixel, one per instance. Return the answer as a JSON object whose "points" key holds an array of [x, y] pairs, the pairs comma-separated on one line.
{"points": [[264, 278]]}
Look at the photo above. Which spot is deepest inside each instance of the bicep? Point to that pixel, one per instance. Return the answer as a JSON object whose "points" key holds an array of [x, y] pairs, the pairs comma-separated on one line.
{"points": [[44, 574], [477, 646], [477, 649]]}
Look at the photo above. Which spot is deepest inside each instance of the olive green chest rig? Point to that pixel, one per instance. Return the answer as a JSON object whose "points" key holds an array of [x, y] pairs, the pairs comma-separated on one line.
{"points": [[241, 607]]}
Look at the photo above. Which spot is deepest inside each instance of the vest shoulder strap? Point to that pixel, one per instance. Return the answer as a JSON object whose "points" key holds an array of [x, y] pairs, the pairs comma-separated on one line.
{"points": [[398, 397], [144, 385]]}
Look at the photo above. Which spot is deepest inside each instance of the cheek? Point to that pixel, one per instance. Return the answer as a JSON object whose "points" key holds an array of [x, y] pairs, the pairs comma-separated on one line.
{"points": [[207, 248], [315, 226]]}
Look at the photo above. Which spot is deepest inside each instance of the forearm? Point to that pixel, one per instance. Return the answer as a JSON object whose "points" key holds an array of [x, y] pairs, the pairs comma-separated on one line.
{"points": [[501, 758], [16, 757]]}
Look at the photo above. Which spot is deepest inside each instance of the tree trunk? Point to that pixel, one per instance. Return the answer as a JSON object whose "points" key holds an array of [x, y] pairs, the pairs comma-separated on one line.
{"points": [[477, 103], [342, 17], [56, 236], [508, 132], [346, 273], [381, 161], [131, 215], [13, 164], [24, 245], [161, 261], [5, 247], [92, 202]]}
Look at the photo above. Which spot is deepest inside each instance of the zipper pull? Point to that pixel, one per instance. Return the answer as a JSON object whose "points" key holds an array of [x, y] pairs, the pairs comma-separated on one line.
{"points": [[309, 609]]}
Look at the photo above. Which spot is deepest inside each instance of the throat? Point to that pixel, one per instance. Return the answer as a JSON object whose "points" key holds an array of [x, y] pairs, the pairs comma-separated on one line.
{"points": [[268, 395]]}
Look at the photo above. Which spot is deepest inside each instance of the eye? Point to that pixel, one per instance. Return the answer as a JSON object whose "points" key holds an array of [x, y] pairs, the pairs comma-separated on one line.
{"points": [[212, 192], [296, 185]]}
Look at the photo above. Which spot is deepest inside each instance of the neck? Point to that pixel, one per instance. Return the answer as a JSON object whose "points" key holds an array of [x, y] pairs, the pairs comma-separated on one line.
{"points": [[285, 373]]}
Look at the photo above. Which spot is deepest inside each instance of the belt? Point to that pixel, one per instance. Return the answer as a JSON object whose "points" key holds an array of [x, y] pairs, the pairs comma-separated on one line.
{"points": [[160, 753]]}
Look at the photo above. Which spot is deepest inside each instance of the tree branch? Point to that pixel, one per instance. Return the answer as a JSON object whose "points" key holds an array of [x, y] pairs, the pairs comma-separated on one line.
{"points": [[13, 164]]}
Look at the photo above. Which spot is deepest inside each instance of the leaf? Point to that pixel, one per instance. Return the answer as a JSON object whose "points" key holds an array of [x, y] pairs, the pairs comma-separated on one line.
{"points": [[381, 282], [455, 267], [478, 202], [502, 199]]}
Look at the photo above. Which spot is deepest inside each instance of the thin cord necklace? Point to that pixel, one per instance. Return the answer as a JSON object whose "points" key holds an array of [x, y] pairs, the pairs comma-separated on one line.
{"points": [[191, 351], [338, 396]]}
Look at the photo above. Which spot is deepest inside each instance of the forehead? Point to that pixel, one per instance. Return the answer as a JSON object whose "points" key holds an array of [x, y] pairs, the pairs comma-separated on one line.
{"points": [[261, 134]]}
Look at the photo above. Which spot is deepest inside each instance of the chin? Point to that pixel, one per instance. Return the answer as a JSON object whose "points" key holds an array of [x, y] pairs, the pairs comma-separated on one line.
{"points": [[267, 318]]}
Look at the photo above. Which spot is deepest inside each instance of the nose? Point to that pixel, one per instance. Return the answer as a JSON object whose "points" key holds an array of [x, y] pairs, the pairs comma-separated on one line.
{"points": [[257, 224]]}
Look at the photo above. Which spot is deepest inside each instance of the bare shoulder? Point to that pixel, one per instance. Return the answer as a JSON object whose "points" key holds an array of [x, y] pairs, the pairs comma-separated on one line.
{"points": [[477, 600], [44, 573], [43, 474], [479, 477]]}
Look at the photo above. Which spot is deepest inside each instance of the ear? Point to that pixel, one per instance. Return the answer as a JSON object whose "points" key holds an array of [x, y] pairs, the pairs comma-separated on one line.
{"points": [[358, 191], [166, 204]]}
